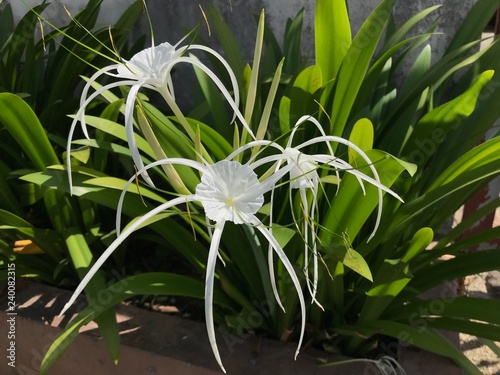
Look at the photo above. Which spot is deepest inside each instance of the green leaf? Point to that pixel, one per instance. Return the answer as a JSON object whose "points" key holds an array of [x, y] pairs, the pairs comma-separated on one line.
{"points": [[362, 136], [488, 331], [443, 68], [251, 95], [228, 43], [474, 23], [350, 258], [431, 130], [460, 266], [17, 43], [450, 190], [216, 107], [173, 177], [292, 44], [22, 123], [482, 155], [466, 223], [401, 33], [355, 65], [332, 34], [392, 277], [283, 234], [301, 97], [268, 107], [81, 257], [117, 130], [448, 305], [350, 208]]}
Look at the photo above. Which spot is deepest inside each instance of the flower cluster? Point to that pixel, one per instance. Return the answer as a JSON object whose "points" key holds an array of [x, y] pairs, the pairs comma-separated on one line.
{"points": [[229, 190]]}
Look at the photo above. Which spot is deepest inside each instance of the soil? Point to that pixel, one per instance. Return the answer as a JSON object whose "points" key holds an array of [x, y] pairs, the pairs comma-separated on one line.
{"points": [[479, 353]]}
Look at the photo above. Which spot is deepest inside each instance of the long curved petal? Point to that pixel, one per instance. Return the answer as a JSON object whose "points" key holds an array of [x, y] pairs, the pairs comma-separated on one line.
{"points": [[252, 144], [310, 224], [281, 254], [118, 241], [86, 88], [180, 161], [312, 120], [221, 87], [332, 138], [79, 117], [234, 81], [129, 129], [209, 290]]}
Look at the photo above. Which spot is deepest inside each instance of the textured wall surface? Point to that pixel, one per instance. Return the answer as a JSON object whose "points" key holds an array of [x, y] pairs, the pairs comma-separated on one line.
{"points": [[111, 9], [172, 18]]}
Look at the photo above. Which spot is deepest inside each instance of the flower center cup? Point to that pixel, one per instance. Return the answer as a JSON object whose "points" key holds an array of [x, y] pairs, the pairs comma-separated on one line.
{"points": [[304, 174], [230, 191], [149, 64]]}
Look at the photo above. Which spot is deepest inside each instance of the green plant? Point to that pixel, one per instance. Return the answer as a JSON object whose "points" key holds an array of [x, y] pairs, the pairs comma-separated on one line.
{"points": [[44, 230], [418, 124], [38, 130], [351, 91]]}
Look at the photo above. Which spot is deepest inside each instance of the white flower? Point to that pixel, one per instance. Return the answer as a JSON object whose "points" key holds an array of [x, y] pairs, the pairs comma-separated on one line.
{"points": [[228, 191], [151, 68], [231, 191], [304, 177]]}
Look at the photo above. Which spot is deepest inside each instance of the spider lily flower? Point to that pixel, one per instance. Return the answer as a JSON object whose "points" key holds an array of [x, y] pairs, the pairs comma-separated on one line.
{"points": [[228, 191], [151, 68], [304, 177]]}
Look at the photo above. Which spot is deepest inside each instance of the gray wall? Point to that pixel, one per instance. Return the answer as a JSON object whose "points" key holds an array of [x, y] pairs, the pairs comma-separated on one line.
{"points": [[171, 18], [111, 9]]}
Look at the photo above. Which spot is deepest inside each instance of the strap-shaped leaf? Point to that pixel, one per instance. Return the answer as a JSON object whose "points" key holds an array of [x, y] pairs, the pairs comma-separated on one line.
{"points": [[22, 123], [355, 65], [332, 33], [431, 130]]}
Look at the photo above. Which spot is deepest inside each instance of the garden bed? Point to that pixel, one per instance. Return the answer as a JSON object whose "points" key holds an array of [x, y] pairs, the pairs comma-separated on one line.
{"points": [[153, 342]]}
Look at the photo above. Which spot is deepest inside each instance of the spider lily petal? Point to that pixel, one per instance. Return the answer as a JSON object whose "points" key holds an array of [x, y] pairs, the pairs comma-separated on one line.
{"points": [[180, 161], [119, 240], [209, 290], [288, 266], [376, 179], [232, 102], [80, 117]]}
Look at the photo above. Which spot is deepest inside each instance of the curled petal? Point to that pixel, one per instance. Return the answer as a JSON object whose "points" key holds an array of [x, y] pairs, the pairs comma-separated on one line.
{"points": [[179, 161], [288, 266], [118, 241], [80, 117], [332, 138], [209, 290], [222, 89], [129, 129], [232, 77]]}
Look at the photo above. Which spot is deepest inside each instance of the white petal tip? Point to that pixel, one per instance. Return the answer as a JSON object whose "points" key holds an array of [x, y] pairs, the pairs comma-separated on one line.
{"points": [[219, 362], [281, 306], [65, 308], [318, 304], [296, 355]]}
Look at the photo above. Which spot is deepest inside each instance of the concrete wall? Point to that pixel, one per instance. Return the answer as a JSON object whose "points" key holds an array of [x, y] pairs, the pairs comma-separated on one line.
{"points": [[172, 18], [111, 9]]}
